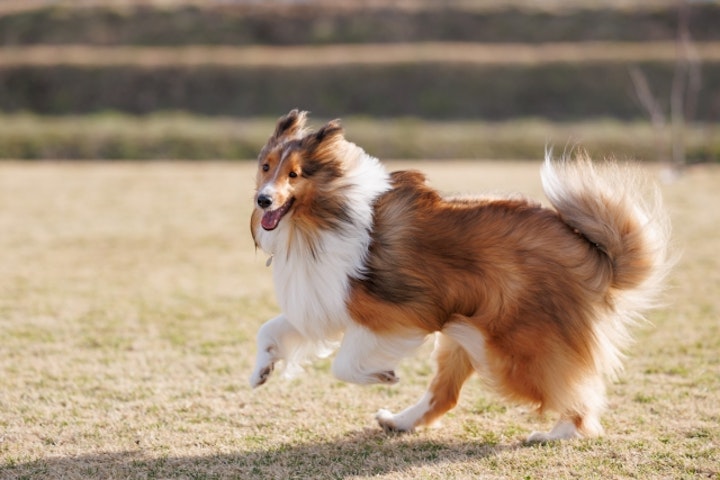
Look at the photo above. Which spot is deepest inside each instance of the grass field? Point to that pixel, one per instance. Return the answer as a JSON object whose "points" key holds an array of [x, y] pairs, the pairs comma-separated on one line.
{"points": [[130, 294]]}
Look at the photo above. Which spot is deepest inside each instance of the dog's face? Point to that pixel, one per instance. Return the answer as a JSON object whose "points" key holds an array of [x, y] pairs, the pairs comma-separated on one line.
{"points": [[293, 167], [280, 180]]}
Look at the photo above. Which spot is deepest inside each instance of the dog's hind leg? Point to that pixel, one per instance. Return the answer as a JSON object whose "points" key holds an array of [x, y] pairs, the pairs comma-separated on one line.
{"points": [[453, 369], [583, 419]]}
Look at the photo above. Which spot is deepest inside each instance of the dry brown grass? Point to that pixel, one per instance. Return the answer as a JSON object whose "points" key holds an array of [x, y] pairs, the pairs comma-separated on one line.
{"points": [[369, 54], [130, 295]]}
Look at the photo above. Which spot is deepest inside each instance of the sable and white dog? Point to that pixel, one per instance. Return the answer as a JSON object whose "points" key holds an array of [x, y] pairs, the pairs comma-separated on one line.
{"points": [[536, 300]]}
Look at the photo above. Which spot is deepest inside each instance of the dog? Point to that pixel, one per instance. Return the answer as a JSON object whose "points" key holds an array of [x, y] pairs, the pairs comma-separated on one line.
{"points": [[538, 301]]}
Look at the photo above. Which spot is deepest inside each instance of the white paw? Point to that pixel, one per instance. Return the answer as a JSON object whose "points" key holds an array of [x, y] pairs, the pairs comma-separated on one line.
{"points": [[563, 430], [263, 370], [261, 374], [539, 437], [390, 423]]}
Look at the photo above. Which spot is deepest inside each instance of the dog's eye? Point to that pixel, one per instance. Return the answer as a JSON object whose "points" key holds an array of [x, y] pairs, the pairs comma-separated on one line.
{"points": [[293, 174], [266, 167]]}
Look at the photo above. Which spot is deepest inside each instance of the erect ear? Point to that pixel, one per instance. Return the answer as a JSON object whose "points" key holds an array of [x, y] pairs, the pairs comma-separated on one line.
{"points": [[320, 150], [326, 135], [291, 125]]}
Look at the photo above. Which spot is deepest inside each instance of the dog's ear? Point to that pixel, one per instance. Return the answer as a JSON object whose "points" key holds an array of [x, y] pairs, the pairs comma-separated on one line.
{"points": [[320, 150], [326, 135], [331, 130], [290, 125]]}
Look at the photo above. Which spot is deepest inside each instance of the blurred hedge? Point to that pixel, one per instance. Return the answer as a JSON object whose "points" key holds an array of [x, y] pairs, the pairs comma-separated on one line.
{"points": [[248, 23], [554, 91]]}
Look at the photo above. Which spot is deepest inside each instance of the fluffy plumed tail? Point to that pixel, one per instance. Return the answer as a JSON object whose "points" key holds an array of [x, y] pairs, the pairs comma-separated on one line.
{"points": [[618, 209]]}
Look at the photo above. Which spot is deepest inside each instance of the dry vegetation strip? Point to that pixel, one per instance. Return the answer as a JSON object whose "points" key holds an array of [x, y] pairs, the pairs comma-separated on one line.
{"points": [[385, 54], [130, 294], [177, 136], [12, 6]]}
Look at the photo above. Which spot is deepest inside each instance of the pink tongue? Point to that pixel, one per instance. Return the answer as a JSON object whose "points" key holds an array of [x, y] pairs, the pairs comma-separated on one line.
{"points": [[270, 220]]}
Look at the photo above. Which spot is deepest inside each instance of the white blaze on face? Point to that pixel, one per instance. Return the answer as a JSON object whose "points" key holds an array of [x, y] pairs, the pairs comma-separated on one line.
{"points": [[267, 190], [274, 197]]}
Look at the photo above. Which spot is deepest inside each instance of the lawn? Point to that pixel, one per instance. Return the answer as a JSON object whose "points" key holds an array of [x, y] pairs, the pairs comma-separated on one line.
{"points": [[130, 294]]}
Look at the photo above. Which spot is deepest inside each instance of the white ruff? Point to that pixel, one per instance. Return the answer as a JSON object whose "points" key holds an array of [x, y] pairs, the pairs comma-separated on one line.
{"points": [[312, 289]]}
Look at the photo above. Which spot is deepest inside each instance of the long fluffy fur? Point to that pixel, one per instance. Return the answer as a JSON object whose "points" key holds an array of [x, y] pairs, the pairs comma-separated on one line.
{"points": [[620, 211], [537, 301]]}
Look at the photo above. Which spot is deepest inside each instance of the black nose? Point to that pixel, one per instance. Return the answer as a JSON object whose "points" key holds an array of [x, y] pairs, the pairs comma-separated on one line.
{"points": [[264, 201]]}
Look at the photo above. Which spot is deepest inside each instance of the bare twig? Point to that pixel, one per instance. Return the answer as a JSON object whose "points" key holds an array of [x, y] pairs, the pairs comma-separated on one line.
{"points": [[686, 85], [651, 105]]}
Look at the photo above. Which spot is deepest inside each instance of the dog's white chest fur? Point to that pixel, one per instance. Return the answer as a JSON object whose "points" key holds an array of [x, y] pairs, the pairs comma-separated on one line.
{"points": [[312, 275], [312, 291]]}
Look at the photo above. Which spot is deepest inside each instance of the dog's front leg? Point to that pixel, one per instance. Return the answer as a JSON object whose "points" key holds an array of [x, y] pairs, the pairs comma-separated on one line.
{"points": [[275, 340], [366, 357]]}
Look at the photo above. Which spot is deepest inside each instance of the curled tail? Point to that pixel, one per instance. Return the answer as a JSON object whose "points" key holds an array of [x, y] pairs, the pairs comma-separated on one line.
{"points": [[619, 210]]}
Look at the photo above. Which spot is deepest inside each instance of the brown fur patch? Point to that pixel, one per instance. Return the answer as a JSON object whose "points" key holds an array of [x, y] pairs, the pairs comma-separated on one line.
{"points": [[516, 271], [454, 368]]}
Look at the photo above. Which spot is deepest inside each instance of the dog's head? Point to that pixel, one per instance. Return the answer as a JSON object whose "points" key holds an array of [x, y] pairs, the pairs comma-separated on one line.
{"points": [[293, 167]]}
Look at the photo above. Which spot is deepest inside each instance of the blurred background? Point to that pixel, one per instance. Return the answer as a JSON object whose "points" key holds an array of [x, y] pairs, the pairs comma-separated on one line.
{"points": [[184, 79]]}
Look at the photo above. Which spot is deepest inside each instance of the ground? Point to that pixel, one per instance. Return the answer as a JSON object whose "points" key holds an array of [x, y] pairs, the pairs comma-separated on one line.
{"points": [[130, 294]]}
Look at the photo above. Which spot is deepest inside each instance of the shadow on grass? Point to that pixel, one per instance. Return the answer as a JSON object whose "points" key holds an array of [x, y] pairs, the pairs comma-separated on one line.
{"points": [[366, 453]]}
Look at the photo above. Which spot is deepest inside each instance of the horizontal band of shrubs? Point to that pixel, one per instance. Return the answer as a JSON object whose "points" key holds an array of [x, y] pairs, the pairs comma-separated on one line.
{"points": [[561, 92], [307, 23], [180, 136]]}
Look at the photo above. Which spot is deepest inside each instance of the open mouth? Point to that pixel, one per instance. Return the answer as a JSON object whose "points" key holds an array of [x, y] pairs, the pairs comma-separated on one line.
{"points": [[271, 219]]}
